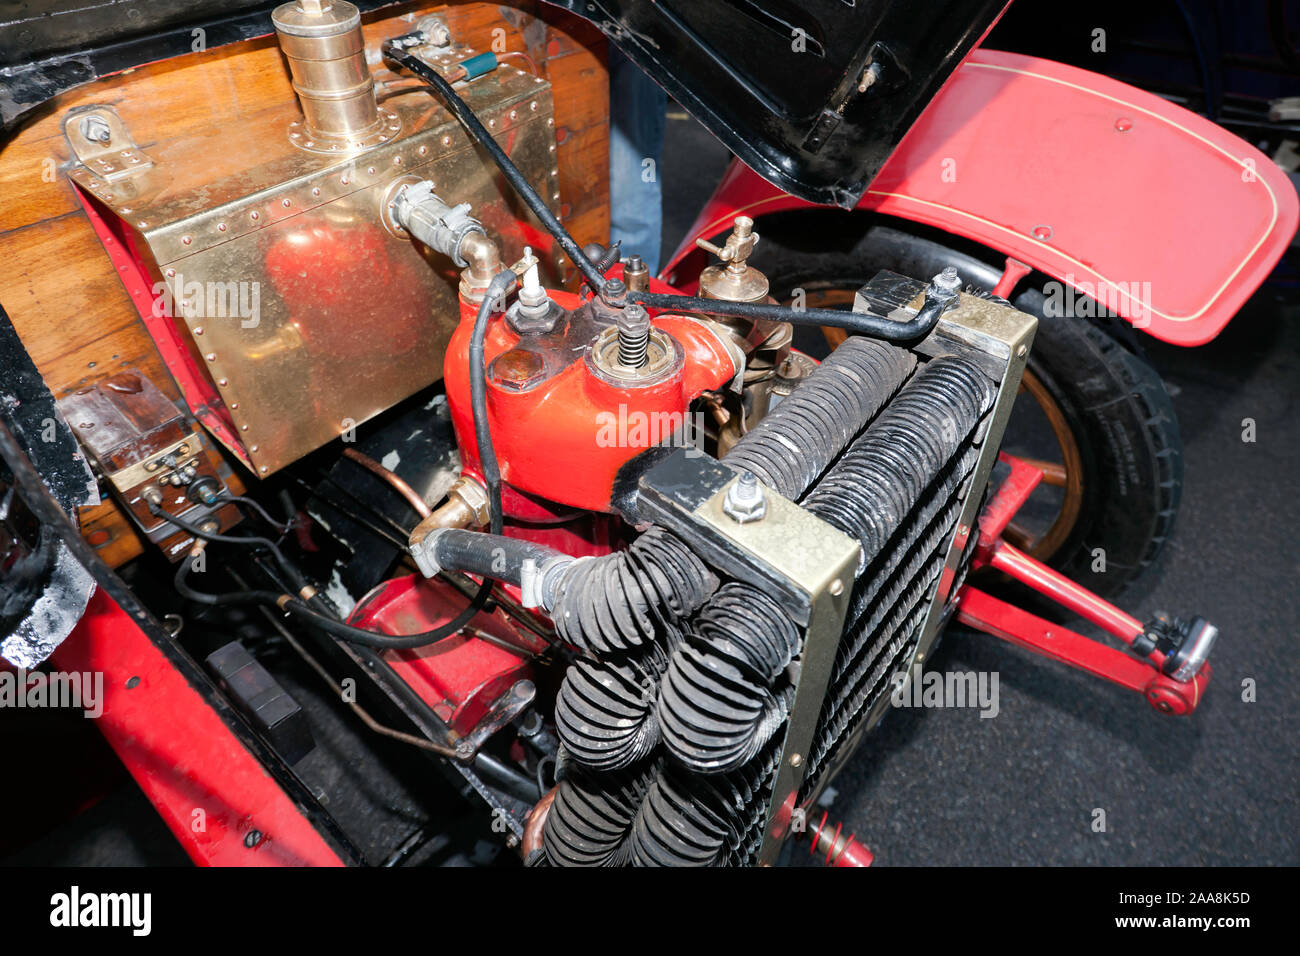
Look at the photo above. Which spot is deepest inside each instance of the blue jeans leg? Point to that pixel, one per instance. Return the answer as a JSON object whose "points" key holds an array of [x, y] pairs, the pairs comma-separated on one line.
{"points": [[636, 138]]}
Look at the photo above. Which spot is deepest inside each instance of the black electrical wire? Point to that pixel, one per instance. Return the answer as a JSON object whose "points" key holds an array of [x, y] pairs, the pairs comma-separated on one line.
{"points": [[496, 289], [294, 575], [488, 463], [874, 326], [245, 502], [393, 52], [39, 500], [301, 606], [231, 598]]}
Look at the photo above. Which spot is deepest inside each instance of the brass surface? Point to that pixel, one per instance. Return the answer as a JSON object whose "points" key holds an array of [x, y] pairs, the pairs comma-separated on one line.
{"points": [[327, 56], [350, 319], [111, 156]]}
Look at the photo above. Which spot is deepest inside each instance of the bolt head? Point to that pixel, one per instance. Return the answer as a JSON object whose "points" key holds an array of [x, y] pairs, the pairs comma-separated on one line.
{"points": [[96, 130], [947, 282], [745, 501], [518, 369]]}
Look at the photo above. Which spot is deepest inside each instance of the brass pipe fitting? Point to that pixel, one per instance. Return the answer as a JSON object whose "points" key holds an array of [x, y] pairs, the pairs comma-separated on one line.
{"points": [[484, 258], [467, 506]]}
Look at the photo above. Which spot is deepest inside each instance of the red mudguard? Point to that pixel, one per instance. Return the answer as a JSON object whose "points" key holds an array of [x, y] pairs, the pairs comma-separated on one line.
{"points": [[1154, 211]]}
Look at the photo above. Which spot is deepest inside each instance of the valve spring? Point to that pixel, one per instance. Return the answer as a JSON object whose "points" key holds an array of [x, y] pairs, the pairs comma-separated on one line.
{"points": [[633, 336]]}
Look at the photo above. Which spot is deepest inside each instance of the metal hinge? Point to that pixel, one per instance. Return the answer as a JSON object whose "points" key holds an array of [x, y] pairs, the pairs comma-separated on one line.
{"points": [[100, 142]]}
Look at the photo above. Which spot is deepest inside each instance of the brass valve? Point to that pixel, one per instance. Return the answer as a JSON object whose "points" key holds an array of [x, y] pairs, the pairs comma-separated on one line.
{"points": [[737, 281]]}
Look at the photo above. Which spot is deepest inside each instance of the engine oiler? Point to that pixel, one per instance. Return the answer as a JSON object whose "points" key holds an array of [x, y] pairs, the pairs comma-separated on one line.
{"points": [[765, 344]]}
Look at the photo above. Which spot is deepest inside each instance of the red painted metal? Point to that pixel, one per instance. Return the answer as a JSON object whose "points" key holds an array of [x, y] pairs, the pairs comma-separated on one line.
{"points": [[1016, 626], [840, 850], [1073, 597], [1009, 498], [1150, 209], [208, 788], [460, 676], [1011, 275], [566, 439], [1019, 627]]}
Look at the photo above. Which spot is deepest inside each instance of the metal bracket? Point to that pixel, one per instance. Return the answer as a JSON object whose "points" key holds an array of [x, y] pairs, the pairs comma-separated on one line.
{"points": [[100, 141]]}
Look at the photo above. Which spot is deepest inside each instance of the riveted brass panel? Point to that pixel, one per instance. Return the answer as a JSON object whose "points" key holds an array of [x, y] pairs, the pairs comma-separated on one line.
{"points": [[274, 264]]}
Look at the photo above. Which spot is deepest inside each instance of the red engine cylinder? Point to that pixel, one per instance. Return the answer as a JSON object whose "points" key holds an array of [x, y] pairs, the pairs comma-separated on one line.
{"points": [[546, 385]]}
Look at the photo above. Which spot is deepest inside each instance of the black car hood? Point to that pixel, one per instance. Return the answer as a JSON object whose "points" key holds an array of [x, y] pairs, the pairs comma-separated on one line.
{"points": [[780, 82]]}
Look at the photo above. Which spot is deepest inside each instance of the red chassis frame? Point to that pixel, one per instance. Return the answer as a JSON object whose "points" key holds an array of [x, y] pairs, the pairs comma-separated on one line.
{"points": [[1154, 211]]}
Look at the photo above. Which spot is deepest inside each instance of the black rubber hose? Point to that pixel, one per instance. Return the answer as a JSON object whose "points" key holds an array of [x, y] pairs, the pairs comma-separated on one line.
{"points": [[873, 326], [856, 323], [488, 555]]}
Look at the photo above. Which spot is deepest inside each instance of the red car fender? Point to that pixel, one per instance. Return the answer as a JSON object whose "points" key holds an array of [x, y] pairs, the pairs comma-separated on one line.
{"points": [[1148, 208]]}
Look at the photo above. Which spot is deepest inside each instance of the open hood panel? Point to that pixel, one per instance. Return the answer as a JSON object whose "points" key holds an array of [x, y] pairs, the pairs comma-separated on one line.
{"points": [[780, 82]]}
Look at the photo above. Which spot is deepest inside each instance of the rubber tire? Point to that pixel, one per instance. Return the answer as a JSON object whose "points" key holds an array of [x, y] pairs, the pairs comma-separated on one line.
{"points": [[1115, 403]]}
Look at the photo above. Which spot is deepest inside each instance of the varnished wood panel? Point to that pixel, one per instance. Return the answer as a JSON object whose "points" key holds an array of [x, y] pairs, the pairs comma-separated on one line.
{"points": [[60, 288]]}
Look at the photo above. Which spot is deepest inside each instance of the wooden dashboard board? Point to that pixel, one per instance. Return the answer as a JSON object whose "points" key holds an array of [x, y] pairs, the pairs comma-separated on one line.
{"points": [[61, 289]]}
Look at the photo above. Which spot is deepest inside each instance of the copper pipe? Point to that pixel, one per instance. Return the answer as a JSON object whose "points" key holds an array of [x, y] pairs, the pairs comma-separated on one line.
{"points": [[536, 822], [528, 60], [400, 486]]}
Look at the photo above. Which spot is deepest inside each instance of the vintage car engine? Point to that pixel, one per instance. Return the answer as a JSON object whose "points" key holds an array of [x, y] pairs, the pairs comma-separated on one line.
{"points": [[707, 556]]}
